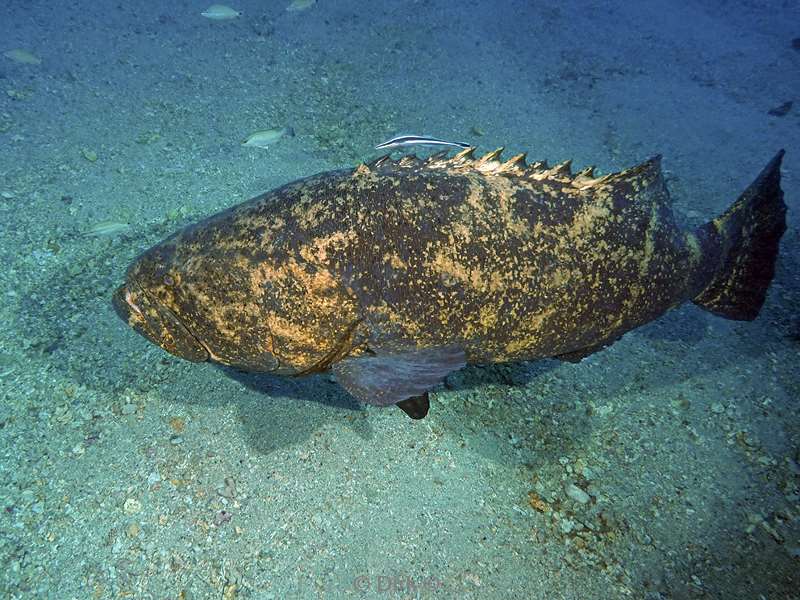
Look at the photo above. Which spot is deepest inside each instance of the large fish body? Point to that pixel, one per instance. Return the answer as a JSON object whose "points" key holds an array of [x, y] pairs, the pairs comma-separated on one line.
{"points": [[397, 273]]}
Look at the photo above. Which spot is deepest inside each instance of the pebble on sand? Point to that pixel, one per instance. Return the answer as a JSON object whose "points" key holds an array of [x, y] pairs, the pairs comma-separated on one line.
{"points": [[220, 12], [131, 506], [133, 530]]}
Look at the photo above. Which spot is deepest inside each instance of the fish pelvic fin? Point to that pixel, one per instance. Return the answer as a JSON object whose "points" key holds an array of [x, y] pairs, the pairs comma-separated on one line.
{"points": [[745, 238]]}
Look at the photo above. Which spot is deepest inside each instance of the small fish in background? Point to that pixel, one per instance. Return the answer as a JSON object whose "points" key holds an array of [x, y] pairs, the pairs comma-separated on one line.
{"points": [[298, 5], [403, 141], [267, 137], [220, 12], [23, 57], [106, 229], [782, 110]]}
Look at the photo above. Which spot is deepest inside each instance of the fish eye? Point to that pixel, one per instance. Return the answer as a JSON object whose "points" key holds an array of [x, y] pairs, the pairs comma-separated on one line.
{"points": [[168, 280]]}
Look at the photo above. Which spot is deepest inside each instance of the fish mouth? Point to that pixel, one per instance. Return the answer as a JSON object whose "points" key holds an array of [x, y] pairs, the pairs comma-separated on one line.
{"points": [[157, 323]]}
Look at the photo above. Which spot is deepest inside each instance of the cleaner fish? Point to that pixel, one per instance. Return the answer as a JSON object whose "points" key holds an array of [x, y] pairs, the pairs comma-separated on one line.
{"points": [[406, 141], [398, 272]]}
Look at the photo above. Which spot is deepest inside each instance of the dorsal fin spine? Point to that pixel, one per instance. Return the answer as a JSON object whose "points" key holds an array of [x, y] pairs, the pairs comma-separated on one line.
{"points": [[515, 164], [465, 155]]}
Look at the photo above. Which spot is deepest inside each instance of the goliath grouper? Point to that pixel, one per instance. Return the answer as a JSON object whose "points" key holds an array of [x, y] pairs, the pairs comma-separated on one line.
{"points": [[398, 272]]}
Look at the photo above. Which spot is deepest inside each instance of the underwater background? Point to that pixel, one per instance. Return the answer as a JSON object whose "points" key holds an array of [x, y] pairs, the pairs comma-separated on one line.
{"points": [[665, 467]]}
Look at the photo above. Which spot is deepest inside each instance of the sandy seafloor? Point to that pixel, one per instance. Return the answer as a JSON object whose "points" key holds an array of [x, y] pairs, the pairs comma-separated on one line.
{"points": [[127, 473]]}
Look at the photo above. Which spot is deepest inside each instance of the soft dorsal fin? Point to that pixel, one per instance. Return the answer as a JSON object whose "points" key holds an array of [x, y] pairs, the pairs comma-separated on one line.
{"points": [[645, 171]]}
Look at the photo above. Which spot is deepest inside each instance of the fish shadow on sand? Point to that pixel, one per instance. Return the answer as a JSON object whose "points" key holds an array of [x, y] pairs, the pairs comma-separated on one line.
{"points": [[283, 413], [313, 388]]}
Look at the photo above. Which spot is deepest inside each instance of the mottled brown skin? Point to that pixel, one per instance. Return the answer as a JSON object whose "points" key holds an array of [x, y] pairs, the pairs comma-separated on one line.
{"points": [[499, 261]]}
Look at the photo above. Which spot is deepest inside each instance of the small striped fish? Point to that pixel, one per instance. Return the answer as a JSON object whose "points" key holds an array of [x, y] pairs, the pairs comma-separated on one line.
{"points": [[417, 140]]}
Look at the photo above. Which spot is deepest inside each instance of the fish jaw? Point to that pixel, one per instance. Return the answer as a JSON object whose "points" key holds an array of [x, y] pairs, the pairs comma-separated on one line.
{"points": [[157, 323]]}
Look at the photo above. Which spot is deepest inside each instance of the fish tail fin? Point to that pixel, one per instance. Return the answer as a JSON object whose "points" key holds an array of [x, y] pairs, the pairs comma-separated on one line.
{"points": [[745, 241]]}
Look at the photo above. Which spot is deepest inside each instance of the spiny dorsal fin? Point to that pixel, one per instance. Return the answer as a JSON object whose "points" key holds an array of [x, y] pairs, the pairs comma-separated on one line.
{"points": [[408, 161], [561, 170], [539, 166], [489, 162], [379, 162], [361, 170], [514, 165], [465, 155], [492, 156], [584, 178], [436, 161], [646, 172]]}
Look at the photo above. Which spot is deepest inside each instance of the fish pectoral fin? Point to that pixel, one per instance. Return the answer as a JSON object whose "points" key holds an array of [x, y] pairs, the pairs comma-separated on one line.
{"points": [[394, 377]]}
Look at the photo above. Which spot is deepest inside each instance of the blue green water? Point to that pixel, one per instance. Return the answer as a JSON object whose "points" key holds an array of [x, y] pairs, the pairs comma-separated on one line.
{"points": [[665, 467]]}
